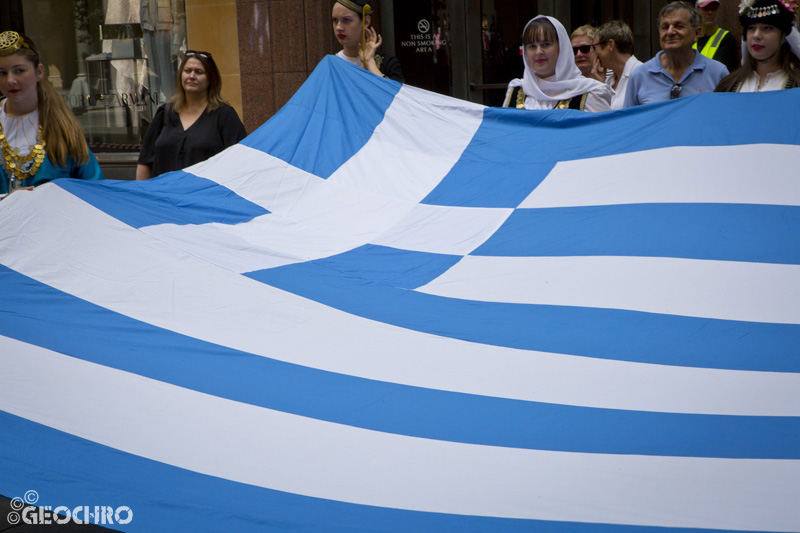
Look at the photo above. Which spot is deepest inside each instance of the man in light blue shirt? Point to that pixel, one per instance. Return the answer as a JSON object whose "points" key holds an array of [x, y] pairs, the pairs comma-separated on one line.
{"points": [[679, 26]]}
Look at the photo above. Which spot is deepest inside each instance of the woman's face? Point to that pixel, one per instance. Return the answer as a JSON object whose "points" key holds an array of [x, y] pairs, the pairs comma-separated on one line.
{"points": [[584, 59], [194, 78], [542, 57], [18, 80], [346, 26], [763, 41], [603, 53]]}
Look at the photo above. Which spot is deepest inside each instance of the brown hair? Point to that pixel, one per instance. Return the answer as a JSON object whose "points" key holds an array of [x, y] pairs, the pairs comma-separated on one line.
{"points": [[789, 64], [357, 6], [538, 30], [695, 18], [215, 99], [61, 131], [620, 32]]}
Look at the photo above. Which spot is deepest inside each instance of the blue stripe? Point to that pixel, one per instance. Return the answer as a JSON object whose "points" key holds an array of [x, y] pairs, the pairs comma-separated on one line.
{"points": [[70, 471], [173, 198], [68, 325], [399, 268], [602, 333], [726, 232], [317, 131], [514, 150]]}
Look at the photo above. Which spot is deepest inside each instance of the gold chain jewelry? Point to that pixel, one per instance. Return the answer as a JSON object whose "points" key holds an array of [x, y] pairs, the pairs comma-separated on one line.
{"points": [[15, 164]]}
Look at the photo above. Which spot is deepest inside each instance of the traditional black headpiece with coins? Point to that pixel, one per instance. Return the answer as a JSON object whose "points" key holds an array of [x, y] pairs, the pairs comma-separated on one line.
{"points": [[778, 13]]}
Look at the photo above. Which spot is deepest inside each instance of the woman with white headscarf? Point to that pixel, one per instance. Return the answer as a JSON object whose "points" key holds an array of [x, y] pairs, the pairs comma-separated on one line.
{"points": [[552, 80]]}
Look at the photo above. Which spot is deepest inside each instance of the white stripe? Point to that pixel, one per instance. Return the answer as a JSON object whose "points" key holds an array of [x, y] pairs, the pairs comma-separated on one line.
{"points": [[265, 448], [421, 137], [707, 174], [114, 266], [447, 230], [757, 292], [310, 217]]}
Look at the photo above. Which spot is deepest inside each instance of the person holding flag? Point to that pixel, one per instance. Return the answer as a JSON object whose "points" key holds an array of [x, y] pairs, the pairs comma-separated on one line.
{"points": [[352, 25], [552, 80], [771, 48], [40, 138]]}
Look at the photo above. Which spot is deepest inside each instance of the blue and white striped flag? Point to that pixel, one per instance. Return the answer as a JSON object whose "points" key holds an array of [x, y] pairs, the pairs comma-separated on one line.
{"points": [[390, 310]]}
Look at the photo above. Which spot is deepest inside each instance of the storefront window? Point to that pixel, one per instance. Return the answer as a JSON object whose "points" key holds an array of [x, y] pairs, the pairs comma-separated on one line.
{"points": [[114, 62]]}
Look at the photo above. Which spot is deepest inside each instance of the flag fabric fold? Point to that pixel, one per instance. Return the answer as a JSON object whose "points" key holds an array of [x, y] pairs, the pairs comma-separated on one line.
{"points": [[391, 310]]}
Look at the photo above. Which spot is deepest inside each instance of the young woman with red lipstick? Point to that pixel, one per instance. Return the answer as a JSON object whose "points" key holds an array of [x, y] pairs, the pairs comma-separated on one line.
{"points": [[40, 138], [770, 49], [552, 80], [352, 21]]}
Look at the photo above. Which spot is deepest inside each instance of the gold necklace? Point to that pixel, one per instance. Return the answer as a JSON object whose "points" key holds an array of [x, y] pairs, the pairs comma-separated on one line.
{"points": [[16, 164]]}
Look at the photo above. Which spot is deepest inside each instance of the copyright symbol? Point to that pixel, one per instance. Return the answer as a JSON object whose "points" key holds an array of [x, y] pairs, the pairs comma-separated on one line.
{"points": [[31, 496], [13, 518], [17, 504]]}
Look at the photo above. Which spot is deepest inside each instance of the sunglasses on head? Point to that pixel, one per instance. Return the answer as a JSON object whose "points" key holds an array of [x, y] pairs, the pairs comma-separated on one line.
{"points": [[190, 53], [584, 49]]}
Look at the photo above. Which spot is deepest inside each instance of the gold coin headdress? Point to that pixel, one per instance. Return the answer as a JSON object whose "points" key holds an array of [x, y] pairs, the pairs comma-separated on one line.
{"points": [[10, 42]]}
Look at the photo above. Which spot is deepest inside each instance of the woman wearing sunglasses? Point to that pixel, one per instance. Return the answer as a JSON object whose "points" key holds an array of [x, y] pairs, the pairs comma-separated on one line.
{"points": [[552, 80], [585, 56], [194, 125]]}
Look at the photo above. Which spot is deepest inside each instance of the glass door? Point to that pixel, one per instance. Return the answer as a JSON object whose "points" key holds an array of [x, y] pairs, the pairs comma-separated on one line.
{"points": [[471, 49], [423, 43]]}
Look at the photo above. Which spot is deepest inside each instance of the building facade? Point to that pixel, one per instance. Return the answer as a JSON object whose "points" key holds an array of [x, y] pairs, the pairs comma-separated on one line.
{"points": [[115, 61]]}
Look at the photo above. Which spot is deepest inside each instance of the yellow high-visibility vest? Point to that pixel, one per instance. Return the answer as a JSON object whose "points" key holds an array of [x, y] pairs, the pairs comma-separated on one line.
{"points": [[712, 45]]}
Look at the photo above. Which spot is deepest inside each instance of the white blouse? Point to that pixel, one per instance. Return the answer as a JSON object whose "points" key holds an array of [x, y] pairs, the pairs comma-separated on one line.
{"points": [[775, 81], [354, 60]]}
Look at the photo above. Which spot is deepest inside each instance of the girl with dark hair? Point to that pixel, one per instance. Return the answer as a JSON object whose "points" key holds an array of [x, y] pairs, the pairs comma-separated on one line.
{"points": [[552, 80], [194, 125], [770, 51], [352, 25], [40, 138]]}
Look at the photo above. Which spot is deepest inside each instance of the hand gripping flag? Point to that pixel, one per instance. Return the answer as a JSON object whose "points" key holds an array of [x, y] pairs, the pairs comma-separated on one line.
{"points": [[390, 310]]}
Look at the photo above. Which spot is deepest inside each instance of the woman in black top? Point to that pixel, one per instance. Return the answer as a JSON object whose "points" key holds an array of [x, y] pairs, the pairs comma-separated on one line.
{"points": [[360, 42], [194, 125]]}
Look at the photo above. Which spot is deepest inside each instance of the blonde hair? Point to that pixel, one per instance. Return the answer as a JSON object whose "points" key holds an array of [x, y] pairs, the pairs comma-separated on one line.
{"points": [[61, 131], [585, 30]]}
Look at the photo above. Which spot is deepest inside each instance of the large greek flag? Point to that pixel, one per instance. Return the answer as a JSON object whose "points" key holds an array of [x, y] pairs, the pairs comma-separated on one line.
{"points": [[390, 310]]}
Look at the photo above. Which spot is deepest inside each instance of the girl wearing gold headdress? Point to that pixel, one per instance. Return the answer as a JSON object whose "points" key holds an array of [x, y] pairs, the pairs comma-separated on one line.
{"points": [[40, 138], [352, 21]]}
